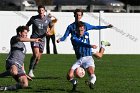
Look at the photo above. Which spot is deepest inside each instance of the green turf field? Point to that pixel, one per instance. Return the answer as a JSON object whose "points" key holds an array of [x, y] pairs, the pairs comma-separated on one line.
{"points": [[115, 74]]}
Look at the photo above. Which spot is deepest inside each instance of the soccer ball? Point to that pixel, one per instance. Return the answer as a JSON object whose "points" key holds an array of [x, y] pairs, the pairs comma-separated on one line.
{"points": [[80, 72]]}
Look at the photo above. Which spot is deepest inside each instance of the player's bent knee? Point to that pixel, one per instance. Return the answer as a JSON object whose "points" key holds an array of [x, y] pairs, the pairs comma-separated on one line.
{"points": [[99, 56], [13, 72], [25, 85], [24, 81]]}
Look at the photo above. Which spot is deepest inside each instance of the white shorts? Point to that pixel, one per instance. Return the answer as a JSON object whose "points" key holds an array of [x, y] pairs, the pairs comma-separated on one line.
{"points": [[84, 62], [94, 51]]}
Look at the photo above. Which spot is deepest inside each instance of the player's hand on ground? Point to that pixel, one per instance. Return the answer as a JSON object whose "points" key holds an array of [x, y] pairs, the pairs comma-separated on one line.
{"points": [[94, 46]]}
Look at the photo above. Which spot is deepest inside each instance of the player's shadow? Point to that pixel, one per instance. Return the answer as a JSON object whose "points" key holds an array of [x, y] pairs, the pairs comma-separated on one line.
{"points": [[49, 77], [77, 91], [49, 90], [57, 90]]}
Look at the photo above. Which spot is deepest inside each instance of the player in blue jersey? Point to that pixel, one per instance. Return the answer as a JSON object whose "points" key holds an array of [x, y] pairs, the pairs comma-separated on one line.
{"points": [[72, 28], [15, 59], [83, 52], [39, 24]]}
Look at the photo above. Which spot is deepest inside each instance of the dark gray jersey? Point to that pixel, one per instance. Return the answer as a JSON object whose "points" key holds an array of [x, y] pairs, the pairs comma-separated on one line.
{"points": [[17, 52], [39, 26]]}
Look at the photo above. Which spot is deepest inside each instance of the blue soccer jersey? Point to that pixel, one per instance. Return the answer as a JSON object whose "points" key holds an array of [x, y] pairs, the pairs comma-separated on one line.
{"points": [[72, 28], [81, 45]]}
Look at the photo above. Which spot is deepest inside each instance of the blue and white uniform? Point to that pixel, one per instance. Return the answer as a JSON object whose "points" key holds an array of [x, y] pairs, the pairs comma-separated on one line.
{"points": [[72, 28], [83, 51]]}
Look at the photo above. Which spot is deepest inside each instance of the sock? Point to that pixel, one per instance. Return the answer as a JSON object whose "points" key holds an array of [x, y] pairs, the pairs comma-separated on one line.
{"points": [[32, 63], [103, 46], [14, 87], [73, 81], [6, 73], [92, 78]]}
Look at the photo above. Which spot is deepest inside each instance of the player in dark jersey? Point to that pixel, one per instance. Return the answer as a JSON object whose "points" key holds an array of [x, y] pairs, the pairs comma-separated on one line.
{"points": [[39, 24], [15, 59]]}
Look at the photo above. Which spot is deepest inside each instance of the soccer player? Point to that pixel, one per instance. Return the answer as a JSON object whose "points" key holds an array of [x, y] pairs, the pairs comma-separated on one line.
{"points": [[83, 52], [72, 28], [39, 24], [15, 59]]}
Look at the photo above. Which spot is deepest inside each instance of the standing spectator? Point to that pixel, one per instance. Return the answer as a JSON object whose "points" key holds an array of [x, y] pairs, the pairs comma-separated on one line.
{"points": [[51, 35]]}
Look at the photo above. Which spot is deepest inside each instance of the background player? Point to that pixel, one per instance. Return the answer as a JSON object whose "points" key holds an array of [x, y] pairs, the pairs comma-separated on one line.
{"points": [[39, 24]]}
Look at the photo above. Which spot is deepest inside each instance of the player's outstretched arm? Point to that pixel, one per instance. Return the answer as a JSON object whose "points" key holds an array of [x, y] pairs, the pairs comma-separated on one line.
{"points": [[29, 39], [92, 27]]}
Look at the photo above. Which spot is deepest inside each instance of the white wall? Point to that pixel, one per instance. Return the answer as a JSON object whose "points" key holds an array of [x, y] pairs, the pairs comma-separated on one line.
{"points": [[124, 37]]}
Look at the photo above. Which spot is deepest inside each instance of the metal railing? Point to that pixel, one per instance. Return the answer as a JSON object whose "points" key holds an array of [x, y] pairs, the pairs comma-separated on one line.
{"points": [[88, 8]]}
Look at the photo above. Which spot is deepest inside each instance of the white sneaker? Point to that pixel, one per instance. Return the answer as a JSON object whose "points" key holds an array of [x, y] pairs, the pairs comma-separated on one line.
{"points": [[3, 88], [31, 74]]}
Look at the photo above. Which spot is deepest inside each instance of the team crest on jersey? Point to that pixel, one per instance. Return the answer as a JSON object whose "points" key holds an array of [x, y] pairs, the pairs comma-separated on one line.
{"points": [[46, 21], [86, 36], [74, 30]]}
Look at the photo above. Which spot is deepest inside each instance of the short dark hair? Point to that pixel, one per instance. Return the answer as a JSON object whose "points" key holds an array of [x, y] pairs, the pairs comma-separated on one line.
{"points": [[78, 10], [22, 28], [80, 24], [41, 6]]}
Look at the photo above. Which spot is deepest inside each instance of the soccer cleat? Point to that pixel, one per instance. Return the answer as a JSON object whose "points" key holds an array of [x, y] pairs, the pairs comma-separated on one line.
{"points": [[74, 86], [91, 85], [31, 74], [106, 43], [3, 88]]}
